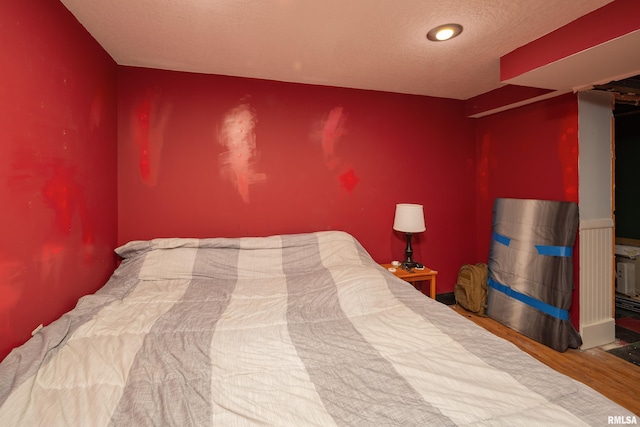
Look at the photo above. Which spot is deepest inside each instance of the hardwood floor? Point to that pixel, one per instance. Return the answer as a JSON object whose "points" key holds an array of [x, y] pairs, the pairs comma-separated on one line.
{"points": [[612, 376]]}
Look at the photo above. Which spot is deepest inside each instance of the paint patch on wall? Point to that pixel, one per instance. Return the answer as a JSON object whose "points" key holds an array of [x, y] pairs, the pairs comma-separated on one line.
{"points": [[51, 262], [237, 135], [65, 196], [149, 124], [59, 188], [11, 272], [568, 153], [349, 180], [12, 286], [332, 129]]}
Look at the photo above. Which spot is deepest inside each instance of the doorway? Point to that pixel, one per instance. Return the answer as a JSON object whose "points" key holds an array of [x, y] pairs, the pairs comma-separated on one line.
{"points": [[626, 116]]}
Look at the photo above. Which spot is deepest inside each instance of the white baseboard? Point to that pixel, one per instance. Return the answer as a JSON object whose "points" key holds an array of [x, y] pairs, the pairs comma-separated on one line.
{"points": [[597, 334]]}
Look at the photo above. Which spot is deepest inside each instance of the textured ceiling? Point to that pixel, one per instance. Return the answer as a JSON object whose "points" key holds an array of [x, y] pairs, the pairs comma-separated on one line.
{"points": [[365, 44]]}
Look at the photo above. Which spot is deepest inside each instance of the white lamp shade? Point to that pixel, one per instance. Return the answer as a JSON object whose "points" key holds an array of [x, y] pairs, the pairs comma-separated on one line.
{"points": [[409, 218]]}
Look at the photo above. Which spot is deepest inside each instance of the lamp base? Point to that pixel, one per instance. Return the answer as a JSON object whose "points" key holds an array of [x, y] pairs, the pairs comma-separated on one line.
{"points": [[410, 265]]}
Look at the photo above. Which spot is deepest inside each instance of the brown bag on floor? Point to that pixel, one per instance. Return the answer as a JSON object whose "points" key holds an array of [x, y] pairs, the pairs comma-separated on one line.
{"points": [[470, 290]]}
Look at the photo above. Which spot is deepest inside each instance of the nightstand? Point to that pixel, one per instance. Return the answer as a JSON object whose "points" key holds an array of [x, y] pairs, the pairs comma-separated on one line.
{"points": [[417, 276]]}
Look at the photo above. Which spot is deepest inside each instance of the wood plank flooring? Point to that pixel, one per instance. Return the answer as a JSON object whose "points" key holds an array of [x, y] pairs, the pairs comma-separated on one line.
{"points": [[612, 376]]}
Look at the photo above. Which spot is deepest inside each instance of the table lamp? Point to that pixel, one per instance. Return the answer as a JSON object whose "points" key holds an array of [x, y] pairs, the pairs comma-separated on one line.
{"points": [[409, 219]]}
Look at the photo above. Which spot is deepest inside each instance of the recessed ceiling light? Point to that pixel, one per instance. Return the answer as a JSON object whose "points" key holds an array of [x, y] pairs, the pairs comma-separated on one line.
{"points": [[444, 32]]}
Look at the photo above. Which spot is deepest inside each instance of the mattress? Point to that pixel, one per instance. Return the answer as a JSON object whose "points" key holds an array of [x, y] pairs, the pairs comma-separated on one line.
{"points": [[530, 284], [289, 330]]}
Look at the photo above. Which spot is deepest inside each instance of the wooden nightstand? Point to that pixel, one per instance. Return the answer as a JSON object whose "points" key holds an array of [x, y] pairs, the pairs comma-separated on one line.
{"points": [[417, 276]]}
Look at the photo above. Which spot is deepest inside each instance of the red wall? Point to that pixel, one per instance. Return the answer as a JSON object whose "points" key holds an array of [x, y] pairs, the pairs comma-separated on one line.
{"points": [[201, 155], [57, 166], [529, 152], [297, 158]]}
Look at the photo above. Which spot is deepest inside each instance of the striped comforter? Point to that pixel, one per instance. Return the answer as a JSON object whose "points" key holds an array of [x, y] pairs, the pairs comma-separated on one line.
{"points": [[291, 330]]}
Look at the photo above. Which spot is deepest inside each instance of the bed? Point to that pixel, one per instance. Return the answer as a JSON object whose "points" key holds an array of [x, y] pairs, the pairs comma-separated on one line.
{"points": [[289, 330]]}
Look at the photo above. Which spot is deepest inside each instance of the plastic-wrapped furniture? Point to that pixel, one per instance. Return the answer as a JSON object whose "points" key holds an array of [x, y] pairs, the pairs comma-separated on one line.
{"points": [[530, 279]]}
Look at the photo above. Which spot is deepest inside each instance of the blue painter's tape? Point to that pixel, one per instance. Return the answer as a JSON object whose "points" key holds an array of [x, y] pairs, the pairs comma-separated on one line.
{"points": [[554, 250], [564, 251], [530, 301], [500, 238]]}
